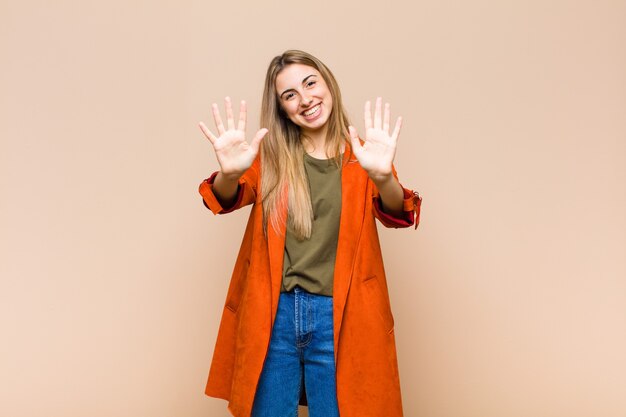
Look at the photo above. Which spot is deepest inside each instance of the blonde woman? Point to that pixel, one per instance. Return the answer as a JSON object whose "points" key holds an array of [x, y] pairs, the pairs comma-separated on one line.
{"points": [[307, 318]]}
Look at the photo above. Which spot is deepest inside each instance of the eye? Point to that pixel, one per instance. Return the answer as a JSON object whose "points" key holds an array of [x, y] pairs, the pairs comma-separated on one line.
{"points": [[288, 96], [310, 83]]}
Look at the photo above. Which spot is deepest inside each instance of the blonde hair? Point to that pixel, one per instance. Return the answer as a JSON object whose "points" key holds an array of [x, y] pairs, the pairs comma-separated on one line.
{"points": [[282, 151]]}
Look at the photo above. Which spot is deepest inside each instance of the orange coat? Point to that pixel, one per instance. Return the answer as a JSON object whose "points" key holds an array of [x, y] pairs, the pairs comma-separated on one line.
{"points": [[365, 352]]}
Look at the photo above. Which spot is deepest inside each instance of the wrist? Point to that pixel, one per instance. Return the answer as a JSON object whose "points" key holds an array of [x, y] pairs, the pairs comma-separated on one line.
{"points": [[230, 177], [381, 180]]}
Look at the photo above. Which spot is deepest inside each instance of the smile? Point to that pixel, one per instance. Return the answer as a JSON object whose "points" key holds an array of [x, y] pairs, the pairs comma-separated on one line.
{"points": [[312, 110]]}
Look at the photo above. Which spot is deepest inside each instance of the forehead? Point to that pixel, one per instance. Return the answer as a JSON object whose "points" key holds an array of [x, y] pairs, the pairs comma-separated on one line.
{"points": [[292, 75]]}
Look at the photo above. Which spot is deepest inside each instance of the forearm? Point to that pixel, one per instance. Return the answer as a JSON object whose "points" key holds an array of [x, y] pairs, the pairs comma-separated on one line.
{"points": [[225, 189], [391, 195]]}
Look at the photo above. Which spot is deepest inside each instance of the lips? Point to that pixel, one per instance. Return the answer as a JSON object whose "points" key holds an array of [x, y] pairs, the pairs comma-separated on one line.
{"points": [[312, 107], [315, 115]]}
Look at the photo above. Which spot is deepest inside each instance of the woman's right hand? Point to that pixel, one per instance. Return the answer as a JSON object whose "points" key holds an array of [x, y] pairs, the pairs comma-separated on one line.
{"points": [[233, 153]]}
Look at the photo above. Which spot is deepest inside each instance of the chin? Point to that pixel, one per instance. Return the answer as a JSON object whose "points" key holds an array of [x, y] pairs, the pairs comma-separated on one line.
{"points": [[315, 127], [318, 124]]}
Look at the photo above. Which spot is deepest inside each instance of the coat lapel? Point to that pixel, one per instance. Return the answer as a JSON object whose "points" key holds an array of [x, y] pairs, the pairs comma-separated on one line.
{"points": [[353, 202], [276, 246]]}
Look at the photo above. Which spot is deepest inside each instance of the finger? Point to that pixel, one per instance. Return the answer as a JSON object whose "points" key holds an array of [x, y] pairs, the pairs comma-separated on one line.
{"points": [[377, 113], [242, 116], [368, 115], [396, 130], [386, 119], [218, 119], [229, 114], [256, 141], [354, 140], [207, 133]]}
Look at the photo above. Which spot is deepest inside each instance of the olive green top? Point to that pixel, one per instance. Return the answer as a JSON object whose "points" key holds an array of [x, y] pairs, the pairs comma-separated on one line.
{"points": [[310, 263]]}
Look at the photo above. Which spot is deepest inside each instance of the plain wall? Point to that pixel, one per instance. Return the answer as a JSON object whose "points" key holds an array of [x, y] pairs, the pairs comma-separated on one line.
{"points": [[510, 298]]}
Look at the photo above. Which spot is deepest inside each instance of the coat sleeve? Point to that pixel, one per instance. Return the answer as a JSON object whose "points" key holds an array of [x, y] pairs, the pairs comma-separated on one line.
{"points": [[412, 204], [246, 190]]}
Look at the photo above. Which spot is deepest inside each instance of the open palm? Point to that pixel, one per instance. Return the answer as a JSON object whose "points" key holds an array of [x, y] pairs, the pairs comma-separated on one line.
{"points": [[376, 155], [234, 154]]}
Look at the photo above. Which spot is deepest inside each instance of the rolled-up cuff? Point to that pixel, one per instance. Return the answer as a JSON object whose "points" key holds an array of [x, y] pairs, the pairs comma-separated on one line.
{"points": [[411, 210], [210, 200]]}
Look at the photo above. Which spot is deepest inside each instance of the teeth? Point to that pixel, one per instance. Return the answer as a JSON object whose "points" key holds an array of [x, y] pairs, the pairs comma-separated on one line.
{"points": [[313, 110]]}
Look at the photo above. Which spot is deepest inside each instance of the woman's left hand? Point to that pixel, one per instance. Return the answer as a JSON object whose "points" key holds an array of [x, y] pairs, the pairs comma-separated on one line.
{"points": [[376, 155]]}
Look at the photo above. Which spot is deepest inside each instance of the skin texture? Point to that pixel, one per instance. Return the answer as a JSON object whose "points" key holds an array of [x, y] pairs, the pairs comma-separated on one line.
{"points": [[233, 152], [298, 88]]}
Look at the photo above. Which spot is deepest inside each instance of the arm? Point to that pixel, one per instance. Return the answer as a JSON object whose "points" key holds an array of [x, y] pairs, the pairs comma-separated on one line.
{"points": [[391, 195], [405, 207], [394, 205], [245, 191], [234, 185], [225, 189]]}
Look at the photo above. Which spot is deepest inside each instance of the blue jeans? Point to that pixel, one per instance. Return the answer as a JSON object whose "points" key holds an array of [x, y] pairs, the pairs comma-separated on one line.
{"points": [[301, 351]]}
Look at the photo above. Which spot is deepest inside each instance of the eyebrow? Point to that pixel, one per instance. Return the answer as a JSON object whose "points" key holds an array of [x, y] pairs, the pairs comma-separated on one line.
{"points": [[303, 81]]}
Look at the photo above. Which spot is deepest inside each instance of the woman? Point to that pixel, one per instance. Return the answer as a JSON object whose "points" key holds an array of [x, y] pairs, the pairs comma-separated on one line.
{"points": [[307, 317]]}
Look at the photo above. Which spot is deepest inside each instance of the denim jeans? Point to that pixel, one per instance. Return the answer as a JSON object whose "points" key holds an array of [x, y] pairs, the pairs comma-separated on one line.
{"points": [[301, 351]]}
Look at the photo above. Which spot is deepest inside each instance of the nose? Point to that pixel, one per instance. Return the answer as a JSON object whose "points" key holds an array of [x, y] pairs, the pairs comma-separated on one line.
{"points": [[306, 101]]}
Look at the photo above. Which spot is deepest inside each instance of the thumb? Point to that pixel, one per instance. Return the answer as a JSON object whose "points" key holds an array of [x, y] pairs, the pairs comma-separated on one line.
{"points": [[256, 141], [354, 139]]}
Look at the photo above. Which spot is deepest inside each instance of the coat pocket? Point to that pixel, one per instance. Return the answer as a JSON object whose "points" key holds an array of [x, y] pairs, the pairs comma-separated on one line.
{"points": [[379, 300], [237, 284]]}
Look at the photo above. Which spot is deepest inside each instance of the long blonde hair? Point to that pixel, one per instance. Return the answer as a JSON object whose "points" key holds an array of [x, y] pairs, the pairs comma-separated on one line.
{"points": [[282, 151]]}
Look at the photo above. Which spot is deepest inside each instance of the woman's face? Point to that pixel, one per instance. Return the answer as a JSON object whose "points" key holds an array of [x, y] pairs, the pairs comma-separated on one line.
{"points": [[304, 96]]}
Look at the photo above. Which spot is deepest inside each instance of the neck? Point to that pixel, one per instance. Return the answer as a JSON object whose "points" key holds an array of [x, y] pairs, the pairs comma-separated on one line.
{"points": [[315, 141]]}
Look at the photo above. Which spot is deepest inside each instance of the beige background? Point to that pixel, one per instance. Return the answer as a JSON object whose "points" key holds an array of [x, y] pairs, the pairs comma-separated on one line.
{"points": [[510, 298]]}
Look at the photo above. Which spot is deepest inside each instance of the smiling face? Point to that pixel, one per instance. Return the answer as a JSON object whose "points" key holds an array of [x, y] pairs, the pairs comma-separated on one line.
{"points": [[304, 96]]}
